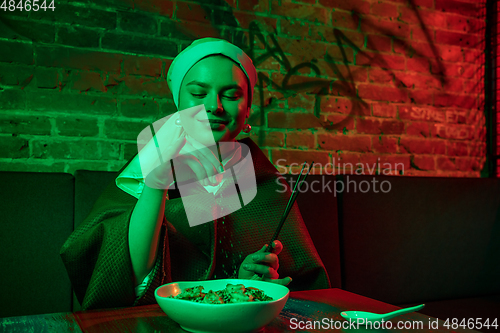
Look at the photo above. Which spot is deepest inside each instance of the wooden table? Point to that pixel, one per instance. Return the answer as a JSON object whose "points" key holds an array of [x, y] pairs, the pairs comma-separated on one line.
{"points": [[301, 310]]}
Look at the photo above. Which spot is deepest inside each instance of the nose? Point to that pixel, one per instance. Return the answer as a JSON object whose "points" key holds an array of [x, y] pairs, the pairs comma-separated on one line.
{"points": [[214, 105]]}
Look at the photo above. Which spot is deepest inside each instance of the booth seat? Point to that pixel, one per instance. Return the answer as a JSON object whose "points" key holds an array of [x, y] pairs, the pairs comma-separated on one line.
{"points": [[416, 240]]}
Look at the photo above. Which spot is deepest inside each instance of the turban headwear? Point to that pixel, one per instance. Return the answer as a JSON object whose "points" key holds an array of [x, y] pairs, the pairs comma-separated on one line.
{"points": [[202, 48]]}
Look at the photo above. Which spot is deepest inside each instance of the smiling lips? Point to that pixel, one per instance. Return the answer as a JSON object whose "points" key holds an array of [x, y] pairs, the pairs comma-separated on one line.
{"points": [[215, 124]]}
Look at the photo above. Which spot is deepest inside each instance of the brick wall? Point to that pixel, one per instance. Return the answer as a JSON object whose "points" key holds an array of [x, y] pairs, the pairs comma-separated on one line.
{"points": [[367, 86]]}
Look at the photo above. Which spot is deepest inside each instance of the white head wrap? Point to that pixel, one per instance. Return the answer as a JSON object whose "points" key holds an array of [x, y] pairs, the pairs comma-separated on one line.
{"points": [[200, 49]]}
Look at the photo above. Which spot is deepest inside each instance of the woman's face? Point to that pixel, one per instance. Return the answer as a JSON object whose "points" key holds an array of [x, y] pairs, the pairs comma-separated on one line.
{"points": [[221, 86]]}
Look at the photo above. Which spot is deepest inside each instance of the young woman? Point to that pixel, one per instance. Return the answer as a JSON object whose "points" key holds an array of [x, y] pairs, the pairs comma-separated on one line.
{"points": [[138, 236]]}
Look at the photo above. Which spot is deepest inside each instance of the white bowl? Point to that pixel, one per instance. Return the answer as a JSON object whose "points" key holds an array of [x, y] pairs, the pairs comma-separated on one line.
{"points": [[220, 318]]}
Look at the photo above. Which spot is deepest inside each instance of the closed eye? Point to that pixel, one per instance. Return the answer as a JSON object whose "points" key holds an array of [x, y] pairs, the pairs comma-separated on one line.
{"points": [[199, 95], [233, 98], [228, 97]]}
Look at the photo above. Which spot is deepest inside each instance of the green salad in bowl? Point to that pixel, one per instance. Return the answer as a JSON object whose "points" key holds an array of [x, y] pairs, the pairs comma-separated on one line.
{"points": [[226, 305]]}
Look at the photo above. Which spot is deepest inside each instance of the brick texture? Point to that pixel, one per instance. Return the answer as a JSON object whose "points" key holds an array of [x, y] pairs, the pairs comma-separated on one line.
{"points": [[379, 83]]}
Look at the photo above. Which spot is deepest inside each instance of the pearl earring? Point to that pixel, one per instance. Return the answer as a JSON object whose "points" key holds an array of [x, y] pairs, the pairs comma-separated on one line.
{"points": [[178, 122], [247, 128]]}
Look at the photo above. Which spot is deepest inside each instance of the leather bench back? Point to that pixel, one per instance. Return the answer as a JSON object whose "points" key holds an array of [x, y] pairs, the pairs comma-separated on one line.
{"points": [[36, 219], [89, 186], [426, 239]]}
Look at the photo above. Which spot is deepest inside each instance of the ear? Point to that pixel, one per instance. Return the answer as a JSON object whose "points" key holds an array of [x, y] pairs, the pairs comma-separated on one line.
{"points": [[248, 112]]}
